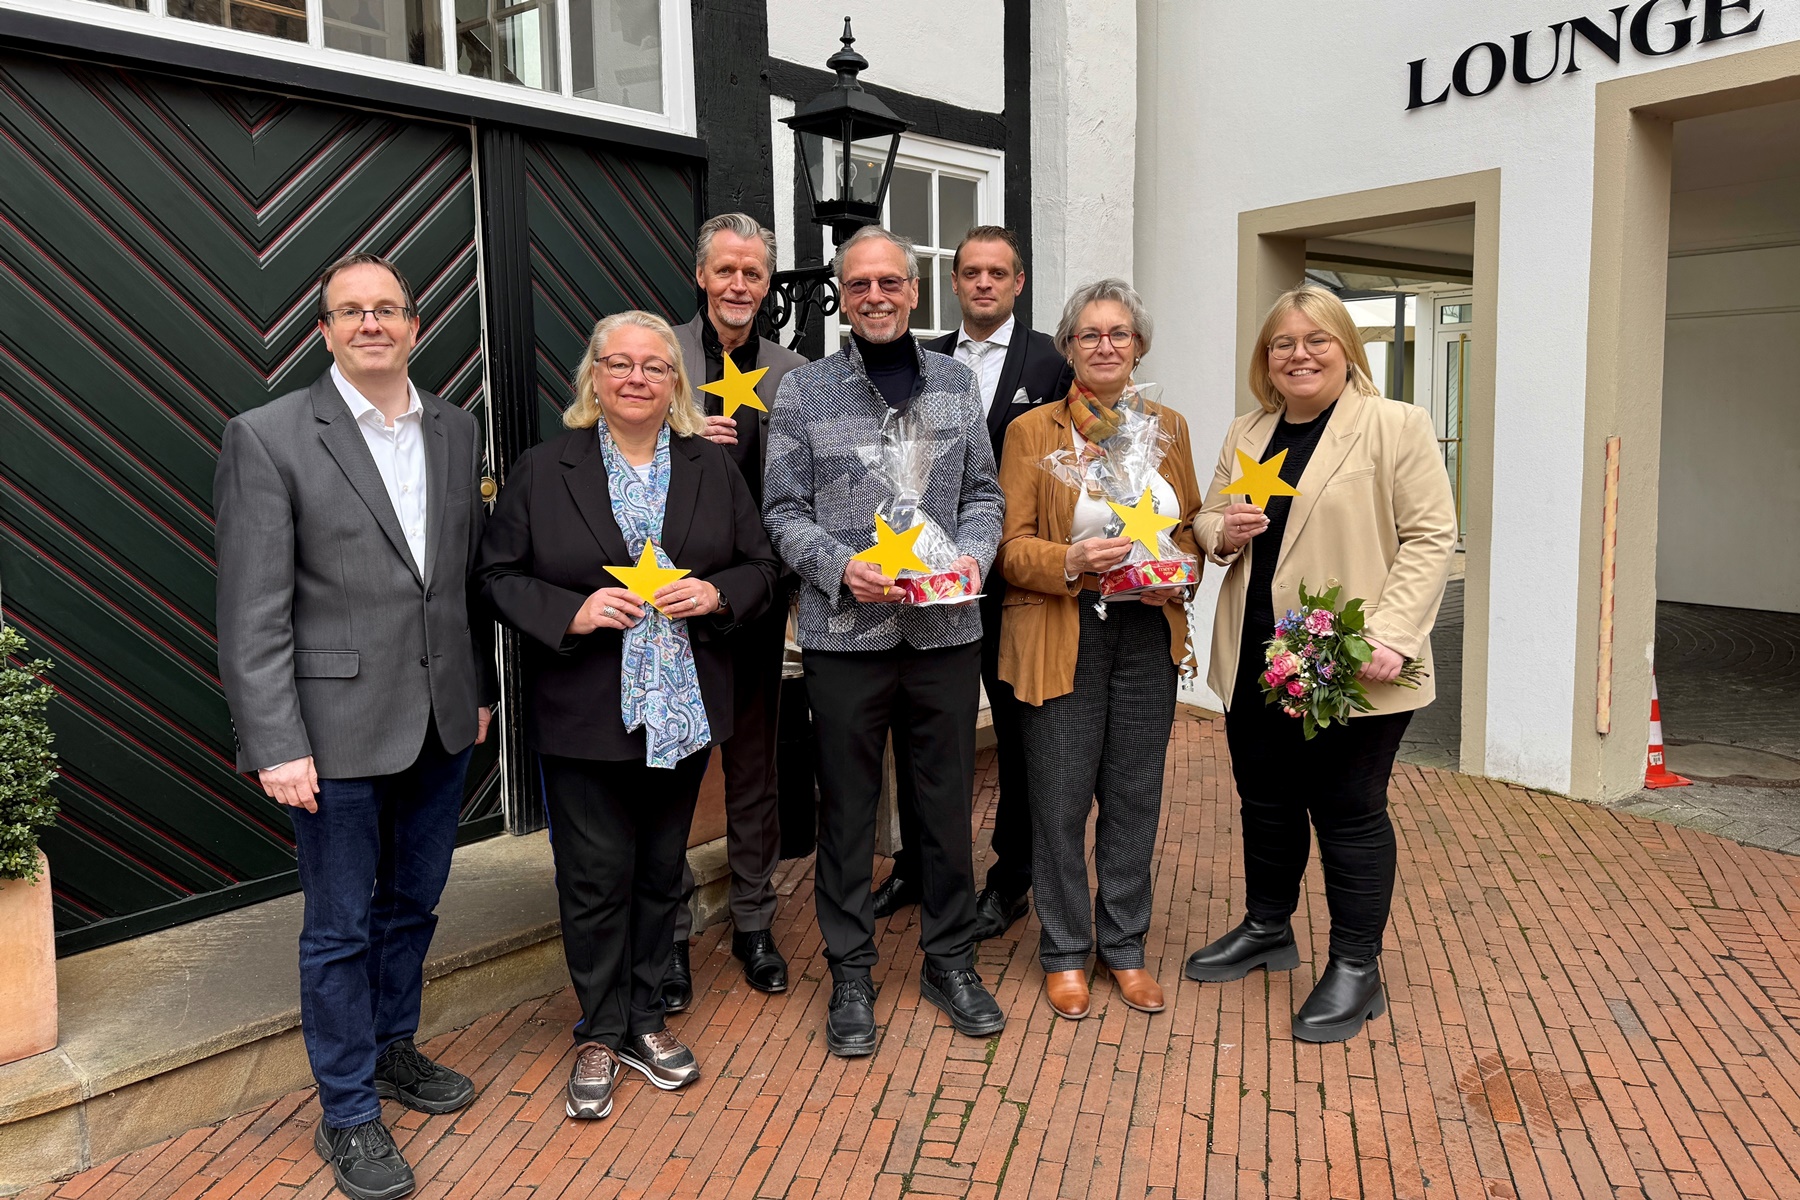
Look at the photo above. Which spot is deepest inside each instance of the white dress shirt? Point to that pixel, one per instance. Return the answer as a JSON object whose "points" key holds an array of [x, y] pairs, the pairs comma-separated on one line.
{"points": [[986, 362], [399, 453]]}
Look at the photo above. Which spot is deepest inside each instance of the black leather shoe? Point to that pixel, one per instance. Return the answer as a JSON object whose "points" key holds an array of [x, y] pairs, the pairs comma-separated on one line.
{"points": [[895, 894], [1348, 994], [961, 994], [1253, 944], [764, 968], [402, 1073], [678, 982], [995, 913], [850, 1024], [364, 1160]]}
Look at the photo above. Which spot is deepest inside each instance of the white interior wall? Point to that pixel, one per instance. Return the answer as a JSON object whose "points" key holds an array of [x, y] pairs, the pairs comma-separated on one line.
{"points": [[1237, 118], [949, 50]]}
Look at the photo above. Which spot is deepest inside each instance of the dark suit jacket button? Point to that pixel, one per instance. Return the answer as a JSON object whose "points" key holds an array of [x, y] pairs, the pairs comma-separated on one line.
{"points": [[425, 660], [430, 595]]}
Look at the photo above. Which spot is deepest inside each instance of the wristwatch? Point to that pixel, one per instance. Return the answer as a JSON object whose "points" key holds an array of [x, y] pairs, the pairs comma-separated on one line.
{"points": [[724, 604]]}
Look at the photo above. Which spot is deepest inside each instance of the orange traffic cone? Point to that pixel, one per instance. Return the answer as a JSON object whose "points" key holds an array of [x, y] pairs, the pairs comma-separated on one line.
{"points": [[1656, 773]]}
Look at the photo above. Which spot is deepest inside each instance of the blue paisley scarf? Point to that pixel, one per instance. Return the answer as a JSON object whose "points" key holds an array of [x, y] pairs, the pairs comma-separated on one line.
{"points": [[659, 689]]}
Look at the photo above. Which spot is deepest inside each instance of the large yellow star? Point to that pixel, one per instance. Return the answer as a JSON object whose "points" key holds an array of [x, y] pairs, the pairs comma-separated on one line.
{"points": [[893, 552], [1142, 522], [1256, 482], [738, 388], [647, 577]]}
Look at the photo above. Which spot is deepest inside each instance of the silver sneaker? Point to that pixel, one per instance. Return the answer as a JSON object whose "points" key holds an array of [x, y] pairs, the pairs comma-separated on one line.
{"points": [[662, 1058], [591, 1082]]}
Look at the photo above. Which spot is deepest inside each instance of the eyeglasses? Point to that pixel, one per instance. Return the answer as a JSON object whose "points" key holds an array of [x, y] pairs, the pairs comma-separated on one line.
{"points": [[1316, 344], [620, 366], [890, 285], [387, 314], [1087, 339]]}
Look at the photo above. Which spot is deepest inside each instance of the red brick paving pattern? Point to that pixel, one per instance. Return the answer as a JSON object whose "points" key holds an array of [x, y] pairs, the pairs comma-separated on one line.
{"points": [[1583, 1005]]}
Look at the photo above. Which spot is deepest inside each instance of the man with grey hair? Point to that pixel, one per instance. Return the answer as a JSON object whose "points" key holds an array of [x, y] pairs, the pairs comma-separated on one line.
{"points": [[736, 375], [868, 658]]}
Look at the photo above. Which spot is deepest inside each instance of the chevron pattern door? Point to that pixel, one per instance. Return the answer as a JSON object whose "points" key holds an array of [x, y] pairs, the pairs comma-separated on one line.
{"points": [[159, 242]]}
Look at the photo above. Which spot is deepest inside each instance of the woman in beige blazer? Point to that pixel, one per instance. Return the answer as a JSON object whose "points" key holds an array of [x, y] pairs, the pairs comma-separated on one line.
{"points": [[1374, 514], [1097, 695]]}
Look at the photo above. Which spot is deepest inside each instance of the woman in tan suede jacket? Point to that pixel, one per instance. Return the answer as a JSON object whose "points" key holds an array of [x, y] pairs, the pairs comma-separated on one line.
{"points": [[1375, 514], [1097, 692]]}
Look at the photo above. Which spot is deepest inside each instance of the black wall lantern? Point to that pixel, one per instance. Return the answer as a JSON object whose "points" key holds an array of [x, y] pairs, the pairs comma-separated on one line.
{"points": [[845, 142]]}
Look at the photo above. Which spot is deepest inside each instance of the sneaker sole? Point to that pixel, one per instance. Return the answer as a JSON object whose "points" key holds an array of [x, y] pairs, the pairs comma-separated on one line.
{"points": [[962, 1026], [1284, 959], [388, 1091], [345, 1186], [852, 1047], [644, 1069], [1341, 1031], [588, 1110]]}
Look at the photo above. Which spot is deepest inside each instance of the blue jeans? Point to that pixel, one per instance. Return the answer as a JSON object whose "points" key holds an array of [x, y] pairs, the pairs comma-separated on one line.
{"points": [[373, 862]]}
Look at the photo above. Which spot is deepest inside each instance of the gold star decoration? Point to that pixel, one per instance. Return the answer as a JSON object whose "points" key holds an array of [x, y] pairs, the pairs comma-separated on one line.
{"points": [[893, 552], [1142, 522], [738, 388], [1256, 482], [647, 577]]}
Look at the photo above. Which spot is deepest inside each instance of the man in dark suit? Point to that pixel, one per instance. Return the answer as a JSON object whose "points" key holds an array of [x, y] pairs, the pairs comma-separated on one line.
{"points": [[734, 261], [1018, 369], [348, 517]]}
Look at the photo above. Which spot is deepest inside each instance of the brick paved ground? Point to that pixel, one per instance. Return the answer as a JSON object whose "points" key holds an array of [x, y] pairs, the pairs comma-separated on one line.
{"points": [[1584, 1004]]}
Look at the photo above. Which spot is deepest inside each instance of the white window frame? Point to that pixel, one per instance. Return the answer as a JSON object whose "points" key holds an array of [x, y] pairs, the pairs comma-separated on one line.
{"points": [[986, 167], [677, 56]]}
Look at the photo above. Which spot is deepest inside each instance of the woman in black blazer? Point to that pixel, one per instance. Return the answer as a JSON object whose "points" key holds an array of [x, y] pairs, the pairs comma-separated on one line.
{"points": [[625, 690]]}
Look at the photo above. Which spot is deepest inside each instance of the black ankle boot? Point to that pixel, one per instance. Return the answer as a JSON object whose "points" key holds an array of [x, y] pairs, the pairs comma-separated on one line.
{"points": [[1347, 995], [1253, 944]]}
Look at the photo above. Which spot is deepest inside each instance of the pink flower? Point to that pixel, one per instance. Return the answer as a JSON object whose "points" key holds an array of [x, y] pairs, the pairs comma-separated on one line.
{"points": [[1296, 688], [1271, 678], [1284, 665], [1310, 650], [1318, 621]]}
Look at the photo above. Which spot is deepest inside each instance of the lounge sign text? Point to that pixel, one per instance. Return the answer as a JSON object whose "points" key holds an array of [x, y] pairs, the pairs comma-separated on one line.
{"points": [[1653, 28]]}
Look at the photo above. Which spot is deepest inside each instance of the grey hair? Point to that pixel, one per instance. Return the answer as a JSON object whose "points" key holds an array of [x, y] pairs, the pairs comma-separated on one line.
{"points": [[743, 225], [869, 233], [1111, 288]]}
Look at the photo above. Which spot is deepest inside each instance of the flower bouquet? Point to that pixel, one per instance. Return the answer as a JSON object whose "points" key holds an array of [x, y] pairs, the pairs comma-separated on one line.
{"points": [[901, 460], [1313, 661], [1121, 470]]}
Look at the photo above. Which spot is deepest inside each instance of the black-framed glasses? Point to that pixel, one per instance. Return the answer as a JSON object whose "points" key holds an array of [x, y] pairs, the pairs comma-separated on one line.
{"points": [[387, 314], [890, 285], [1087, 339], [620, 366], [1316, 343]]}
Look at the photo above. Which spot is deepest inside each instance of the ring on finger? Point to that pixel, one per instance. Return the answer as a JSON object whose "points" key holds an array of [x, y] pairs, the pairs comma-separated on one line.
{"points": [[609, 611]]}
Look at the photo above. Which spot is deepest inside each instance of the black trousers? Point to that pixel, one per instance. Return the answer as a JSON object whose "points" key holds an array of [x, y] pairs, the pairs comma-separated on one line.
{"points": [[618, 833], [1339, 782], [752, 802], [856, 698], [1009, 870]]}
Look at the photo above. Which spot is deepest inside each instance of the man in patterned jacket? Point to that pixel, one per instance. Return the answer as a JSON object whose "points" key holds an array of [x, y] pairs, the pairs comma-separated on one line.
{"points": [[867, 655]]}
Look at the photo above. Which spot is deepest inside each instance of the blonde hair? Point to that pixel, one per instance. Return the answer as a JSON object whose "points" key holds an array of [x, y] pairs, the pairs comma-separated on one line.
{"points": [[685, 417], [1328, 313]]}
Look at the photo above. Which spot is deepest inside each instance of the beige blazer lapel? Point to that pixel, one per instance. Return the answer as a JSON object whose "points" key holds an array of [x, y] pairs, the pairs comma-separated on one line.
{"points": [[1341, 436]]}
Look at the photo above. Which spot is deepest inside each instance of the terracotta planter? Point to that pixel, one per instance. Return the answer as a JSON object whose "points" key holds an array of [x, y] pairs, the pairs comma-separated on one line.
{"points": [[27, 967]]}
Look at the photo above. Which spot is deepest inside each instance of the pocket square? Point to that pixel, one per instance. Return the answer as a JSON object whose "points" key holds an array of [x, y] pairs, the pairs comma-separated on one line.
{"points": [[1021, 398]]}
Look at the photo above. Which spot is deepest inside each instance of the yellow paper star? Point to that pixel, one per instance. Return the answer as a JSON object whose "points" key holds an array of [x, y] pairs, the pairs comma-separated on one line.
{"points": [[738, 388], [647, 577], [1142, 522], [1256, 482], [893, 552]]}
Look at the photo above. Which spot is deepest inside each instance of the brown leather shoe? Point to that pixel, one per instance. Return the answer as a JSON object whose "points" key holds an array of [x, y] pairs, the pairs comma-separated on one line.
{"points": [[1139, 989], [1067, 992]]}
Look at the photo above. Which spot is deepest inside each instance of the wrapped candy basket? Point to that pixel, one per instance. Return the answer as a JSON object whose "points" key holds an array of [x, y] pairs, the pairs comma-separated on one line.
{"points": [[1133, 577], [940, 587]]}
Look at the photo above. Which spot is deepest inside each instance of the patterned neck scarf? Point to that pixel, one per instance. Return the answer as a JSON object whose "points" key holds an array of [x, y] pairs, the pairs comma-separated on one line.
{"points": [[1093, 420], [659, 688]]}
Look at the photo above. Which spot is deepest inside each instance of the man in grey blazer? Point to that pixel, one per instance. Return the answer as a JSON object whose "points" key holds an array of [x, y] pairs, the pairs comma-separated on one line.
{"points": [[359, 677], [734, 260]]}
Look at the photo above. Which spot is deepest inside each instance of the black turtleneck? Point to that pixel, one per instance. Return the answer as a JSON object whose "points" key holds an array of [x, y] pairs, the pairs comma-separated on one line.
{"points": [[893, 368]]}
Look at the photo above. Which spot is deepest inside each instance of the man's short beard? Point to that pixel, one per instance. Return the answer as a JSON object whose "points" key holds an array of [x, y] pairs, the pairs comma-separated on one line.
{"points": [[723, 318], [899, 332]]}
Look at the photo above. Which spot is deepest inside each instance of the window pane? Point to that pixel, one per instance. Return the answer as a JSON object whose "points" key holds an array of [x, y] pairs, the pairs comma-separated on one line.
{"points": [[949, 311], [617, 51], [401, 30], [956, 209], [909, 207], [922, 315], [867, 161], [140, 5], [513, 43], [277, 18]]}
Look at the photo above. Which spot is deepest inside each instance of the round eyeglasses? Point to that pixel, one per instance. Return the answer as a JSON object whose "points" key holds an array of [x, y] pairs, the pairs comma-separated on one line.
{"points": [[1087, 339], [1315, 343], [620, 366]]}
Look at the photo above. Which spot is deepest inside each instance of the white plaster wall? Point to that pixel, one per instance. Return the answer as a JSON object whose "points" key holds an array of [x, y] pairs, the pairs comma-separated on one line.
{"points": [[949, 50], [1247, 110]]}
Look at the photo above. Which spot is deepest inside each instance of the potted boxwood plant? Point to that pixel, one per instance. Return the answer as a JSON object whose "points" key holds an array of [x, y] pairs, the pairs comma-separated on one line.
{"points": [[27, 927]]}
